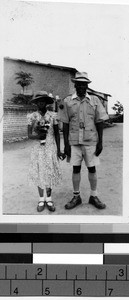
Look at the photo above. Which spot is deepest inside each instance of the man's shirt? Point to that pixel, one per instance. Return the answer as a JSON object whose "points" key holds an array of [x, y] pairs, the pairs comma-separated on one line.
{"points": [[82, 115]]}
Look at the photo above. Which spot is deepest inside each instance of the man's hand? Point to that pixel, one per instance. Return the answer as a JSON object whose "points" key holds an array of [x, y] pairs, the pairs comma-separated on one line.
{"points": [[99, 148], [61, 155], [67, 150]]}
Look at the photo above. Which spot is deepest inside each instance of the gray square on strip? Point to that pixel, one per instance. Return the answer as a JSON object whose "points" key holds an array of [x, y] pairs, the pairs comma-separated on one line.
{"points": [[118, 288], [37, 272], [90, 288], [32, 228], [112, 272], [15, 271], [65, 272], [26, 288], [4, 288], [26, 271], [116, 272], [59, 288], [15, 248], [2, 271], [68, 248]]}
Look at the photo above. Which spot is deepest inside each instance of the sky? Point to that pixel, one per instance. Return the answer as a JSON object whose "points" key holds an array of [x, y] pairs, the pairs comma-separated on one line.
{"points": [[89, 37]]}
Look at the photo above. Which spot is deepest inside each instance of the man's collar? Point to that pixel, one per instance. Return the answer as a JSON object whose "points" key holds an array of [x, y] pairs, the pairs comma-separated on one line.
{"points": [[75, 96]]}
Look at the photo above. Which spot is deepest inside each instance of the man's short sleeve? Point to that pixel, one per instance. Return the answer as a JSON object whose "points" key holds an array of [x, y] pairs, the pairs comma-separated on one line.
{"points": [[100, 112], [63, 112]]}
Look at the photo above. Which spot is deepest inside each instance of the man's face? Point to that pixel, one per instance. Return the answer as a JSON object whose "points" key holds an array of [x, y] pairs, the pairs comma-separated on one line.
{"points": [[81, 88]]}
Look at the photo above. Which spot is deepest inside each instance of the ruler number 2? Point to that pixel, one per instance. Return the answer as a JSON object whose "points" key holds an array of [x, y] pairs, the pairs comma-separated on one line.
{"points": [[39, 271]]}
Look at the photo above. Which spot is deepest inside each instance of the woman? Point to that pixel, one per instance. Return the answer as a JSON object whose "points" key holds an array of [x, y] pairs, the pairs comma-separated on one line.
{"points": [[44, 169]]}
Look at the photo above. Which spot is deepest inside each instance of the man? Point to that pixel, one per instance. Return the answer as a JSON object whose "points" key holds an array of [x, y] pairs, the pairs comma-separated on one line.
{"points": [[82, 116]]}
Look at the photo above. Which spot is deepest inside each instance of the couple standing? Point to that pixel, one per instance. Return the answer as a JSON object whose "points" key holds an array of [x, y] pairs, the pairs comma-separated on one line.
{"points": [[82, 115]]}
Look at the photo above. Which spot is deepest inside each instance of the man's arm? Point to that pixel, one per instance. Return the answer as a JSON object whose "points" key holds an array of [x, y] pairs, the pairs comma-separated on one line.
{"points": [[67, 148], [57, 138], [99, 146]]}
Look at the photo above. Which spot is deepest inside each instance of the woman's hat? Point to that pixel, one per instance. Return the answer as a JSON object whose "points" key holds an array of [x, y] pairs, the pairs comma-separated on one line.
{"points": [[81, 76], [43, 96]]}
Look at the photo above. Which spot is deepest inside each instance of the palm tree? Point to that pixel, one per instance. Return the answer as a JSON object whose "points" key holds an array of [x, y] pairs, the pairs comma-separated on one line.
{"points": [[24, 79]]}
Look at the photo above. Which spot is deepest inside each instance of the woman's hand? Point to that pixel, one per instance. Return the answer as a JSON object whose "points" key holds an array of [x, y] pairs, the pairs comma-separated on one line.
{"points": [[61, 155]]}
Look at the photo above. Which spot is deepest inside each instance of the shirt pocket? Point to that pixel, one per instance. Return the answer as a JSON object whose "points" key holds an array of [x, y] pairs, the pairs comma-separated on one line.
{"points": [[90, 110], [89, 135], [72, 110]]}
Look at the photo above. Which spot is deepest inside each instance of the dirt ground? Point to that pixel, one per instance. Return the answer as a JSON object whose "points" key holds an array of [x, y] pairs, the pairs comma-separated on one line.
{"points": [[20, 198]]}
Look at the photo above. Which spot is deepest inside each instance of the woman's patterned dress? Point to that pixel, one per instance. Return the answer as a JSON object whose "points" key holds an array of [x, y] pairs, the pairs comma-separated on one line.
{"points": [[44, 170]]}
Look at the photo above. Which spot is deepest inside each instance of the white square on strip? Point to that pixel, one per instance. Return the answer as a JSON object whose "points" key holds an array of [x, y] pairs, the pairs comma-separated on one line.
{"points": [[85, 259], [116, 248]]}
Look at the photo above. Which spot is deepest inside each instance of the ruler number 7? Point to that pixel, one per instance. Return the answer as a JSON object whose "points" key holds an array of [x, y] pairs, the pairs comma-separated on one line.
{"points": [[110, 292]]}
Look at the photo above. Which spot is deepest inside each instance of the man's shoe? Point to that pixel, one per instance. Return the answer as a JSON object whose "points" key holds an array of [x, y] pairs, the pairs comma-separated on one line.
{"points": [[76, 200], [96, 202]]}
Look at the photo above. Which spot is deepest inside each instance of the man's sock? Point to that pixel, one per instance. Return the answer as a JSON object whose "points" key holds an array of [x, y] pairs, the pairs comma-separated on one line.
{"points": [[93, 193], [76, 194]]}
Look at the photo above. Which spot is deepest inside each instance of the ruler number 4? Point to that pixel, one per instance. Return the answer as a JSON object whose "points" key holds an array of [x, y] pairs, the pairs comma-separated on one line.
{"points": [[16, 291]]}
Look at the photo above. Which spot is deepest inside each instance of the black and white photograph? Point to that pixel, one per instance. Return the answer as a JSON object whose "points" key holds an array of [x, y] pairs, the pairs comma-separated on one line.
{"points": [[64, 94]]}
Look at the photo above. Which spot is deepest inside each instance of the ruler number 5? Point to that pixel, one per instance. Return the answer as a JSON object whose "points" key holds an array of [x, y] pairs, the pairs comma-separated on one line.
{"points": [[47, 291]]}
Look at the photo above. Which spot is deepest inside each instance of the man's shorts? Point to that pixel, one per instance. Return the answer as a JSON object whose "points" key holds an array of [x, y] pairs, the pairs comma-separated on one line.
{"points": [[80, 152]]}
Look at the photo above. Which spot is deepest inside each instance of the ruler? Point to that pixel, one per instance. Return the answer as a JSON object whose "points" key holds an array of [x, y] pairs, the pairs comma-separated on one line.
{"points": [[64, 280]]}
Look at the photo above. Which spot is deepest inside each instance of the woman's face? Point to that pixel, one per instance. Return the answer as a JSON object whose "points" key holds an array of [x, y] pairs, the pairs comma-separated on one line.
{"points": [[41, 104]]}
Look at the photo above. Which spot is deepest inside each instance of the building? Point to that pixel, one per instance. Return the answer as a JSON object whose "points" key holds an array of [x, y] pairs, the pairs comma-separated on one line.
{"points": [[51, 78]]}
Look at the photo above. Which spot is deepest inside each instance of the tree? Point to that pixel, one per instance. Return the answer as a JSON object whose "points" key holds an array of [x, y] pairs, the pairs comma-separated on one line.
{"points": [[118, 108], [24, 79]]}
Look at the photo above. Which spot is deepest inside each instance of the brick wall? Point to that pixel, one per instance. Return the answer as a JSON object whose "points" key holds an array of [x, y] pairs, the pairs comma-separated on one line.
{"points": [[15, 123], [53, 80]]}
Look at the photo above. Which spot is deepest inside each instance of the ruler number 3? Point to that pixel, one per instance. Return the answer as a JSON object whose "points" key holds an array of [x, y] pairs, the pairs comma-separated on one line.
{"points": [[121, 272]]}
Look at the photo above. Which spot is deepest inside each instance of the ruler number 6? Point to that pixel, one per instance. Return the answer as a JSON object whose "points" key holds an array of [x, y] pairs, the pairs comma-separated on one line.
{"points": [[79, 291]]}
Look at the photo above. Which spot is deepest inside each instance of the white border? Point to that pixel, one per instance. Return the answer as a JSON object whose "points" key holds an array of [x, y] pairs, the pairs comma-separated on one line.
{"points": [[56, 219]]}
